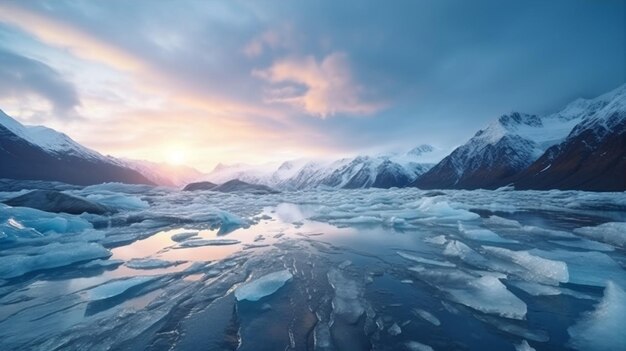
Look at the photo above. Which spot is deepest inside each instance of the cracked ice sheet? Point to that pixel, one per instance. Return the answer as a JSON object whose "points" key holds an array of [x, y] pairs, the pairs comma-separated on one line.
{"points": [[392, 209]]}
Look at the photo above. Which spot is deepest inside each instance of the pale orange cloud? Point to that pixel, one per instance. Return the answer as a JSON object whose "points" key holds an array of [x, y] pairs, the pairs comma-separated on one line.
{"points": [[329, 87]]}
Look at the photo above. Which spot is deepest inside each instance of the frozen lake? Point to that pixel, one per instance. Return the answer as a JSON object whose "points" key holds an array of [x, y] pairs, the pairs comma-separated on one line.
{"points": [[398, 269]]}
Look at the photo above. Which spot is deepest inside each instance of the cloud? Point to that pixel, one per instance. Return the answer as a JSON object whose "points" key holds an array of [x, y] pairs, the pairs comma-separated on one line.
{"points": [[322, 88], [20, 76]]}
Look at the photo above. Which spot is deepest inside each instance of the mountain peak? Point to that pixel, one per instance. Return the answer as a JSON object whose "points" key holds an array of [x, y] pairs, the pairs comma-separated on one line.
{"points": [[420, 150]]}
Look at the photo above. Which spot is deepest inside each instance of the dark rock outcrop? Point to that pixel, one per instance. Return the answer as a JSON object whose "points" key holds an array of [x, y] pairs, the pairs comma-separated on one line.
{"points": [[237, 185], [56, 201], [199, 186]]}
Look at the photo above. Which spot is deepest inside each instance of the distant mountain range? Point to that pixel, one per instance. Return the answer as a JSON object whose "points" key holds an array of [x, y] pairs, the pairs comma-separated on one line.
{"points": [[382, 171], [581, 147]]}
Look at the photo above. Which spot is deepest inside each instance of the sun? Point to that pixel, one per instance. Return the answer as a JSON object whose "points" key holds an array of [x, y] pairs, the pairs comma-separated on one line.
{"points": [[176, 157]]}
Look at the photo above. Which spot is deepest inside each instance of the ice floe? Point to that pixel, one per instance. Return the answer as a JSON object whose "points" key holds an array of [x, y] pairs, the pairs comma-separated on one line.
{"points": [[418, 259], [207, 242], [482, 234], [117, 287], [263, 286], [613, 233], [427, 316], [488, 295], [603, 328], [348, 300], [151, 263], [537, 268], [50, 256]]}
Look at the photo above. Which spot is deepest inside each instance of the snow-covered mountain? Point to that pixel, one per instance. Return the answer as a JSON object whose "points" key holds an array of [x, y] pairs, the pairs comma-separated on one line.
{"points": [[163, 173], [40, 153], [593, 156], [497, 154], [49, 140], [382, 171]]}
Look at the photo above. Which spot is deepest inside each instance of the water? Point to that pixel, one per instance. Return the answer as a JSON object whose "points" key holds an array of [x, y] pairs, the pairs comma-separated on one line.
{"points": [[350, 284]]}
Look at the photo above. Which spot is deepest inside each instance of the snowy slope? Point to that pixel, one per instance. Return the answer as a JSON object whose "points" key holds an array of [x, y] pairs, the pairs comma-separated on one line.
{"points": [[504, 148], [49, 139], [382, 171], [592, 157], [500, 153]]}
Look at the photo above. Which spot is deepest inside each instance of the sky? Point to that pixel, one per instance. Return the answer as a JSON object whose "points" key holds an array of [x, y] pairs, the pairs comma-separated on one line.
{"points": [[202, 82]]}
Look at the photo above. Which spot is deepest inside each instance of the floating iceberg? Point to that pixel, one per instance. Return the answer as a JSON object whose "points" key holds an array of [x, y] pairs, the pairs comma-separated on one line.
{"points": [[488, 295], [455, 248], [613, 233], [427, 316], [119, 201], [348, 301], [116, 287], [263, 286], [538, 268], [183, 236], [207, 242], [417, 346], [587, 268], [50, 256], [151, 263], [394, 330], [43, 222], [523, 346], [482, 235], [602, 329], [424, 260]]}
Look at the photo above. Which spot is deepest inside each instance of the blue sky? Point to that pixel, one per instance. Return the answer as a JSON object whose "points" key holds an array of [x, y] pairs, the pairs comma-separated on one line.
{"points": [[257, 81]]}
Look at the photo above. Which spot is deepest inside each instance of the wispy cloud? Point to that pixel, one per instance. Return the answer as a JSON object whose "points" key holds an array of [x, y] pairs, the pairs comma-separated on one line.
{"points": [[322, 88], [22, 76]]}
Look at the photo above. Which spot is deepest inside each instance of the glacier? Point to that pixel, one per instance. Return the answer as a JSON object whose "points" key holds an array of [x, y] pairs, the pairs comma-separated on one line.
{"points": [[339, 269]]}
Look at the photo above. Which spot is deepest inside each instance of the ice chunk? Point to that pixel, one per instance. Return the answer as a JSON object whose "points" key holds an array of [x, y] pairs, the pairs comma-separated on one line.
{"points": [[537, 267], [482, 235], [523, 346], [488, 295], [458, 249], [183, 236], [207, 242], [116, 287], [613, 233], [119, 201], [151, 263], [424, 260], [417, 346], [230, 222], [437, 240], [263, 286], [12, 229], [427, 316], [394, 329], [348, 301], [603, 328], [50, 256], [100, 263], [587, 268], [44, 222], [437, 208], [503, 222]]}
